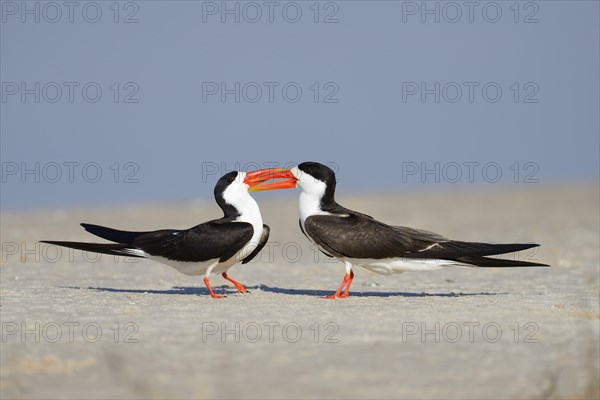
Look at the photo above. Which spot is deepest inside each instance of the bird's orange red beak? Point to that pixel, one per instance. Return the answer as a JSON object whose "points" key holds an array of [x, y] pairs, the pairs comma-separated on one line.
{"points": [[256, 179]]}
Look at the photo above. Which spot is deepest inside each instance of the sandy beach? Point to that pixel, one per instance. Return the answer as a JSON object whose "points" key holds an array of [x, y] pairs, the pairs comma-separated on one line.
{"points": [[77, 325]]}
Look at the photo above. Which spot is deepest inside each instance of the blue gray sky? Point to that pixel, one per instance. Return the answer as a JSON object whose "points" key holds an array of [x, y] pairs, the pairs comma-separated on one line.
{"points": [[109, 103]]}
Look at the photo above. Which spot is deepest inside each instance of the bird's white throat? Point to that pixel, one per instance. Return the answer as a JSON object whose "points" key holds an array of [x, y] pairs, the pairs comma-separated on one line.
{"points": [[308, 205], [237, 195], [249, 212]]}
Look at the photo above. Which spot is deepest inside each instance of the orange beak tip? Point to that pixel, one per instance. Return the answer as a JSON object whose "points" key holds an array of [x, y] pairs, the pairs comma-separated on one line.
{"points": [[286, 184], [255, 179]]}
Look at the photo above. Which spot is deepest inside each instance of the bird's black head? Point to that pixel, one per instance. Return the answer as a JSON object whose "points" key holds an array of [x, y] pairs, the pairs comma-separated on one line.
{"points": [[222, 184], [316, 179], [318, 171]]}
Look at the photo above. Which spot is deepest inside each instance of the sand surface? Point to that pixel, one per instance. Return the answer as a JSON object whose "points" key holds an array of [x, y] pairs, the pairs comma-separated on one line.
{"points": [[77, 326]]}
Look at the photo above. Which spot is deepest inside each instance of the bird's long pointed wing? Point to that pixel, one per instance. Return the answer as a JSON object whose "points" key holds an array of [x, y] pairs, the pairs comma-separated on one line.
{"points": [[356, 237], [116, 249], [208, 241], [204, 242], [114, 235]]}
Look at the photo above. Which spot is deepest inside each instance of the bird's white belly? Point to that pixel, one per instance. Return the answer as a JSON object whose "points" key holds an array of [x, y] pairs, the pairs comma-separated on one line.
{"points": [[187, 267], [388, 266]]}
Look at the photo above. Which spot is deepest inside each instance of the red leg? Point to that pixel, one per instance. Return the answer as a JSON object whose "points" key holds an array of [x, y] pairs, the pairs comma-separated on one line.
{"points": [[212, 294], [347, 278], [345, 294], [238, 286]]}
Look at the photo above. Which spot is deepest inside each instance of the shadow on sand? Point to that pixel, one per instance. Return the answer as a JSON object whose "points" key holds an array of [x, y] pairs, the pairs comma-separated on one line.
{"points": [[199, 291]]}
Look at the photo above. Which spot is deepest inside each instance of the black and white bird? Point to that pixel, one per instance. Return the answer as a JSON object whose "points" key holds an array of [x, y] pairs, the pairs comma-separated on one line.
{"points": [[359, 239], [214, 246]]}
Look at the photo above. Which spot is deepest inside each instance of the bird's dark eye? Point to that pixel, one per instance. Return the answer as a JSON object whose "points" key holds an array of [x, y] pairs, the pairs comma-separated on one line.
{"points": [[230, 179]]}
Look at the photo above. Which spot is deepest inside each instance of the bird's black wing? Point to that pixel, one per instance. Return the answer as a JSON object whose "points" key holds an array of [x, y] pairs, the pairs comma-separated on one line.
{"points": [[455, 248], [309, 238], [261, 243], [204, 242], [116, 249], [114, 235], [474, 253], [356, 236], [208, 241], [301, 228], [488, 262]]}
